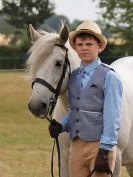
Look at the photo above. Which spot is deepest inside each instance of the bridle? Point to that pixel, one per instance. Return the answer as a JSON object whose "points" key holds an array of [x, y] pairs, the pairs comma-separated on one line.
{"points": [[53, 100], [56, 92]]}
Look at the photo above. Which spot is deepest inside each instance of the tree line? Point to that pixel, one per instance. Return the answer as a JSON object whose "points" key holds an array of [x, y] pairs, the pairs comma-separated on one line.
{"points": [[115, 20]]}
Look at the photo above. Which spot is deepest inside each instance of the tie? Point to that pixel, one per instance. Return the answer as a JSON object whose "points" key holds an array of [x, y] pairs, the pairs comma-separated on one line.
{"points": [[80, 79]]}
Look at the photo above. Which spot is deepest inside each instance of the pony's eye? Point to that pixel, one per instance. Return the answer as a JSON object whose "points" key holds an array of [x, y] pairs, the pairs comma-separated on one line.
{"points": [[58, 63]]}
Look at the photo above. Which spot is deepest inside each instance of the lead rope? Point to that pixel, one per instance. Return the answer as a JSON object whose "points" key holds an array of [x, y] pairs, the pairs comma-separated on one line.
{"points": [[56, 142]]}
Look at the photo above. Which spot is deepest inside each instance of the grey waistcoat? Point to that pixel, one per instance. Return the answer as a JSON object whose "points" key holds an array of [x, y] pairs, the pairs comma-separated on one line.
{"points": [[86, 115]]}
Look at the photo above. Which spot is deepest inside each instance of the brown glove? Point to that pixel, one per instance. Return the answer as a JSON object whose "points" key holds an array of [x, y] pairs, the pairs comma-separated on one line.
{"points": [[102, 162], [55, 128]]}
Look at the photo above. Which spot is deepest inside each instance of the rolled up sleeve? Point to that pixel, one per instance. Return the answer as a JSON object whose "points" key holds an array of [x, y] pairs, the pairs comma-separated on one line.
{"points": [[111, 110]]}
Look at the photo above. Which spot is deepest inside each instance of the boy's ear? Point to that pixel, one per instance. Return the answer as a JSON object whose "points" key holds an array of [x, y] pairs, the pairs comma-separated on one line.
{"points": [[101, 47]]}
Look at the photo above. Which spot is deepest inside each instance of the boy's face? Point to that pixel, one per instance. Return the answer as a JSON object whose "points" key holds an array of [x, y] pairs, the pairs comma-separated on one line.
{"points": [[87, 48]]}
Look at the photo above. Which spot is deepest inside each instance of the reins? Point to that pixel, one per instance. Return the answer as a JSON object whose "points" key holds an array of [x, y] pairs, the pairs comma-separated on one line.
{"points": [[53, 101]]}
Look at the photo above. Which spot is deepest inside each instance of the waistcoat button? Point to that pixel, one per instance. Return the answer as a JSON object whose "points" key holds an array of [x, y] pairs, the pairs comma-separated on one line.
{"points": [[77, 131], [77, 109], [78, 98], [77, 120]]}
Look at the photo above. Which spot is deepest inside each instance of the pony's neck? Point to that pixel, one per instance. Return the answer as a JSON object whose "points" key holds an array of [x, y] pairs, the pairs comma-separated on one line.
{"points": [[61, 108], [64, 101]]}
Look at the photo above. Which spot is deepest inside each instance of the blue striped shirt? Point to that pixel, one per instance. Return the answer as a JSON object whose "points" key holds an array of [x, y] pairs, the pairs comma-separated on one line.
{"points": [[112, 103]]}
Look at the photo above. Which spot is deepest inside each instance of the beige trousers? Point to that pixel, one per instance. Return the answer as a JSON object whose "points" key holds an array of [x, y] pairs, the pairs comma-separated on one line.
{"points": [[82, 158]]}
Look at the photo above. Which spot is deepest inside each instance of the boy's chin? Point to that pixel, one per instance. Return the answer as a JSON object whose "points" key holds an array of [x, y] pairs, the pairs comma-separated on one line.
{"points": [[87, 61]]}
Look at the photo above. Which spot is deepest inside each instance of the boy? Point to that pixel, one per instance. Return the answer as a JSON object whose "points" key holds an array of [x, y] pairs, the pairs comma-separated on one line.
{"points": [[94, 94]]}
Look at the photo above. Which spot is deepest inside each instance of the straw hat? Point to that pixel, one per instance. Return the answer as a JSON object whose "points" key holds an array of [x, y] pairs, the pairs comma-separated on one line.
{"points": [[88, 27]]}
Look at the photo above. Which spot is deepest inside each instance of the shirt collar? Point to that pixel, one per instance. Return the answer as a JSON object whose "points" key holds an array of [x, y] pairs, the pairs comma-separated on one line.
{"points": [[90, 67]]}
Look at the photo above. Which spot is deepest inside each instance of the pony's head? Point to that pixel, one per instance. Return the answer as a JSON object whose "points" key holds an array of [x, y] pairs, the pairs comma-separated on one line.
{"points": [[46, 62]]}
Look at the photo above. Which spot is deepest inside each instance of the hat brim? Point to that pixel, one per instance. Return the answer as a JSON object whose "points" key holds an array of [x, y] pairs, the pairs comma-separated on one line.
{"points": [[73, 34]]}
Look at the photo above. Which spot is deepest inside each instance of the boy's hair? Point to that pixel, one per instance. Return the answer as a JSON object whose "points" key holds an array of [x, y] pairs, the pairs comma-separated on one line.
{"points": [[85, 35]]}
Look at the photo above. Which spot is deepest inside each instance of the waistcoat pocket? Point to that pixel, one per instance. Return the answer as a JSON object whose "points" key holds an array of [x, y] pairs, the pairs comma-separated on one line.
{"points": [[89, 116]]}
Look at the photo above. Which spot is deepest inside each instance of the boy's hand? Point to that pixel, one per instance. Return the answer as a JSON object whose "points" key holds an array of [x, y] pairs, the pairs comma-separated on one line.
{"points": [[102, 162], [55, 128]]}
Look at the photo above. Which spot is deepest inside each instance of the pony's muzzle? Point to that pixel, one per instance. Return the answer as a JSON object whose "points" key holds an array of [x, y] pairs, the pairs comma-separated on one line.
{"points": [[38, 110]]}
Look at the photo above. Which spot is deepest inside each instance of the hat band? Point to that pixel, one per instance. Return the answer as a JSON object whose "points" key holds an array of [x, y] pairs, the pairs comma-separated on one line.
{"points": [[89, 31]]}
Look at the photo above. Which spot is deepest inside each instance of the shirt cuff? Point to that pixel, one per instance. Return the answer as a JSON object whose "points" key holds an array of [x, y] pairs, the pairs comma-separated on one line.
{"points": [[106, 147], [108, 140], [107, 143]]}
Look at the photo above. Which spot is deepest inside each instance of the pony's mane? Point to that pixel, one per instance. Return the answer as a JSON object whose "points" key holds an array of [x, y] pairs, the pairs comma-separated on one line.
{"points": [[40, 50]]}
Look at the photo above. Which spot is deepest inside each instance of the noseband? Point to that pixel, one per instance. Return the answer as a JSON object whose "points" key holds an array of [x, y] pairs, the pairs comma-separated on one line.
{"points": [[56, 92]]}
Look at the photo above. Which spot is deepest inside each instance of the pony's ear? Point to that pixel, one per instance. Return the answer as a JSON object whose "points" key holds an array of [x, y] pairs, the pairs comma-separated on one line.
{"points": [[34, 34], [64, 34]]}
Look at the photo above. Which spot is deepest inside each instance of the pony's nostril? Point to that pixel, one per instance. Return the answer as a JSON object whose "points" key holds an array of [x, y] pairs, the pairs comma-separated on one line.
{"points": [[38, 109], [44, 105]]}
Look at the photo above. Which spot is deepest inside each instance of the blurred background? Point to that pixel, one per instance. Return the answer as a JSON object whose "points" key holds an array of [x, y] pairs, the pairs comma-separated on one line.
{"points": [[115, 17], [25, 145]]}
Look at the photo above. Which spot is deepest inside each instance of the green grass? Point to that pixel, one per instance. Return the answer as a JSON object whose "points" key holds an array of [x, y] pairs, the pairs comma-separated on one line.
{"points": [[25, 146]]}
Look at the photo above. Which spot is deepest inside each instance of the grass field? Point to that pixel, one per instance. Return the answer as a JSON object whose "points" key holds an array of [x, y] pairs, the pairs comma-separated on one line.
{"points": [[25, 146]]}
